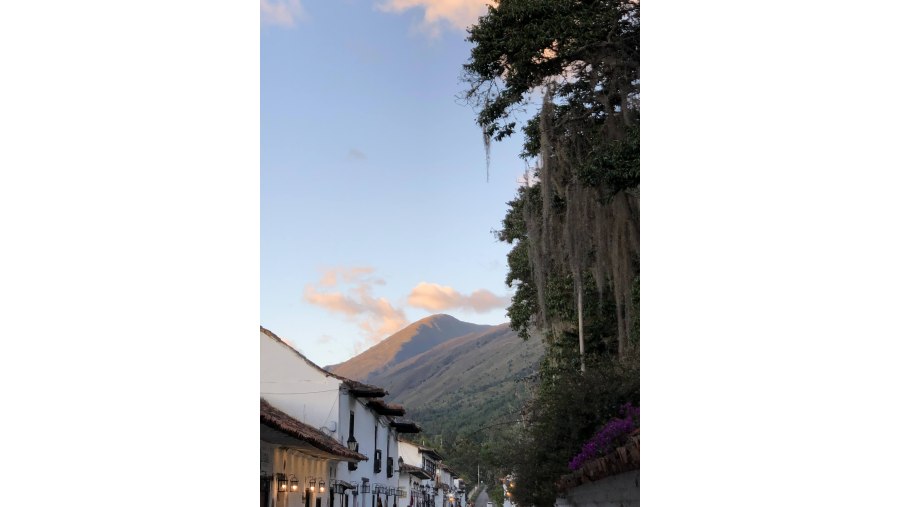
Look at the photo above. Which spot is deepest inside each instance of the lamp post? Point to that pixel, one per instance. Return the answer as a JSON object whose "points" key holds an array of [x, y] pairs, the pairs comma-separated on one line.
{"points": [[353, 445]]}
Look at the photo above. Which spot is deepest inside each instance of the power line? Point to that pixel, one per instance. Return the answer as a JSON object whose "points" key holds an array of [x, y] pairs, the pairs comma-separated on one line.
{"points": [[308, 392]]}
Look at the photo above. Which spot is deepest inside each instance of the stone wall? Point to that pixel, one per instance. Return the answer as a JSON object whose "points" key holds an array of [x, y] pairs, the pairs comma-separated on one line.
{"points": [[620, 490]]}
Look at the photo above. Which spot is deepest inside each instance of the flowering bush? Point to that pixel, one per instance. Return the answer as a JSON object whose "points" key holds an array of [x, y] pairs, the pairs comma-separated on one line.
{"points": [[608, 437]]}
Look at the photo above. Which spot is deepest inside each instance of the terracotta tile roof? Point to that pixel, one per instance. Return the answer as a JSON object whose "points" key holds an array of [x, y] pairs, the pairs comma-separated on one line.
{"points": [[404, 426], [356, 388], [385, 408], [278, 420], [414, 471], [431, 452]]}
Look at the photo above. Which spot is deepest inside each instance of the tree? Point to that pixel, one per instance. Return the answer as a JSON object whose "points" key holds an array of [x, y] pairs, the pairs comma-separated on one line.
{"points": [[581, 220], [574, 231]]}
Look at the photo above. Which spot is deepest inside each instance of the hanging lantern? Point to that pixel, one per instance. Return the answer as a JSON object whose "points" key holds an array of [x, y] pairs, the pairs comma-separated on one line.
{"points": [[282, 482], [322, 486], [312, 484], [294, 484]]}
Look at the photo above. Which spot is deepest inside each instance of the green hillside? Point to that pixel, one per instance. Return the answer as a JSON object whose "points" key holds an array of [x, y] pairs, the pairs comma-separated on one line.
{"points": [[466, 383], [453, 377]]}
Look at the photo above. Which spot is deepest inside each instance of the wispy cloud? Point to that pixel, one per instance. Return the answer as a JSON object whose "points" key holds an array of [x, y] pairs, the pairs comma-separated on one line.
{"points": [[458, 14], [356, 154], [330, 276], [375, 316], [281, 12], [435, 298]]}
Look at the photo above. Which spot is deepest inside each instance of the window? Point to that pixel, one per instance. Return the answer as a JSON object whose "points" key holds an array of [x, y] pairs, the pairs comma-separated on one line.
{"points": [[390, 460], [352, 466], [376, 464]]}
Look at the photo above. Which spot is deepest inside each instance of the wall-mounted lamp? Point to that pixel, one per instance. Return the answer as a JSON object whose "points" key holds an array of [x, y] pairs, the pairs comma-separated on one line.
{"points": [[294, 484], [322, 486], [282, 482], [312, 484]]}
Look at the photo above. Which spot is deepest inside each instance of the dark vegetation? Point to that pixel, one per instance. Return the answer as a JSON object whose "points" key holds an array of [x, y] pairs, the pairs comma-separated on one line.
{"points": [[574, 229]]}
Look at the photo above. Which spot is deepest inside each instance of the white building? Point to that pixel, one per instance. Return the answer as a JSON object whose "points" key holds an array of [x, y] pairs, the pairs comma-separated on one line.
{"points": [[296, 460], [425, 475], [349, 412]]}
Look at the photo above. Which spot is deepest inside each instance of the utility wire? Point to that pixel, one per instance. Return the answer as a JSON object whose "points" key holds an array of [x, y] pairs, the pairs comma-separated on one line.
{"points": [[307, 392]]}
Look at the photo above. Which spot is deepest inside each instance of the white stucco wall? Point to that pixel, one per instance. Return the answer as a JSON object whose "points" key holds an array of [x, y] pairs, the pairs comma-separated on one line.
{"points": [[365, 421], [291, 384], [410, 454], [306, 393]]}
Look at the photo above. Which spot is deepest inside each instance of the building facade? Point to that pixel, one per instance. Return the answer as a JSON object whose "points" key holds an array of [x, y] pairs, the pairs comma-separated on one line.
{"points": [[351, 413]]}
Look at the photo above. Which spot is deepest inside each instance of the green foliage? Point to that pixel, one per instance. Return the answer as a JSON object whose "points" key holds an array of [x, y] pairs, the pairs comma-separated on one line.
{"points": [[599, 312], [578, 222], [520, 44], [568, 410], [495, 492], [514, 231]]}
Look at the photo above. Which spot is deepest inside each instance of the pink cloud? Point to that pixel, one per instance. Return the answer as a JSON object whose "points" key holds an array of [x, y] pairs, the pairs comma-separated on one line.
{"points": [[333, 301], [281, 12], [459, 14], [435, 298], [330, 276], [376, 316]]}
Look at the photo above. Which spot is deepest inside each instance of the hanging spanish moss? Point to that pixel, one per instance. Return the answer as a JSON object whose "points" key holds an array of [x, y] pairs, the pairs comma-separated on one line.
{"points": [[580, 223], [486, 138]]}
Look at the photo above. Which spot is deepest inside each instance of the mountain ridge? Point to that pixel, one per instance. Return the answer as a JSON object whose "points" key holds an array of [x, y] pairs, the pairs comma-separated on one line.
{"points": [[414, 339], [451, 381]]}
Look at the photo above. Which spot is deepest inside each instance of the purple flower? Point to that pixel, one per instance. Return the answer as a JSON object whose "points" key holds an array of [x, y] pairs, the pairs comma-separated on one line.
{"points": [[608, 436]]}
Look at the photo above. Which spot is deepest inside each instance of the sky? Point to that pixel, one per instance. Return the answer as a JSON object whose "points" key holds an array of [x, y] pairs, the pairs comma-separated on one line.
{"points": [[376, 208]]}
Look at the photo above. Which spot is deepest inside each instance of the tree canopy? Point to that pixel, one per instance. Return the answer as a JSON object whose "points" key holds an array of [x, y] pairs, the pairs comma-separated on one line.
{"points": [[581, 221], [575, 228]]}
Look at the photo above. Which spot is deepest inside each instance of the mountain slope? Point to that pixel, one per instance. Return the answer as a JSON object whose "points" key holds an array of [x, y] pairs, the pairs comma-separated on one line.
{"points": [[465, 383], [409, 342], [451, 384]]}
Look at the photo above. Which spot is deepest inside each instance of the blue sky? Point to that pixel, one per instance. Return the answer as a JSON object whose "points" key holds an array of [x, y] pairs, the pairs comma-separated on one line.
{"points": [[375, 210]]}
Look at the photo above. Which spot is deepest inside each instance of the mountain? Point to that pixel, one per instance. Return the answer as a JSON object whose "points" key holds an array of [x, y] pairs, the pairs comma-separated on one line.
{"points": [[409, 342], [452, 377]]}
